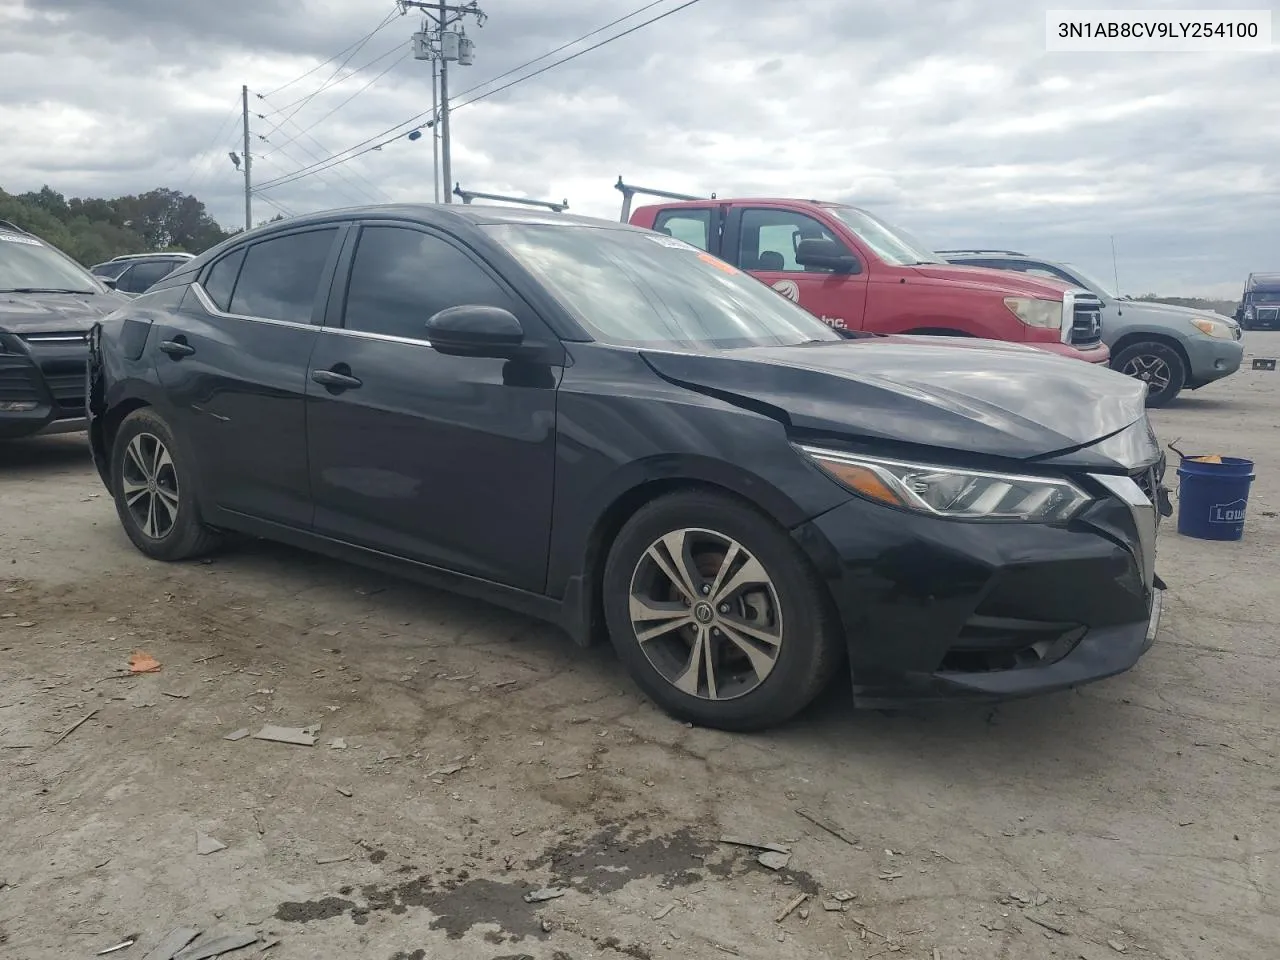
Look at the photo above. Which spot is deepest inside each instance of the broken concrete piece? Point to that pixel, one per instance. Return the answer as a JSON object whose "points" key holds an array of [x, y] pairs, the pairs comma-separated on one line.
{"points": [[844, 896], [755, 845], [830, 826], [206, 844], [791, 907], [661, 914], [295, 735], [832, 905], [172, 944], [773, 860], [215, 946], [337, 743], [1117, 946], [446, 771], [343, 790], [542, 896], [237, 734]]}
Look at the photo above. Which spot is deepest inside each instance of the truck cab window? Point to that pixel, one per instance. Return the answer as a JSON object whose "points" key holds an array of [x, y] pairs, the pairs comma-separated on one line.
{"points": [[768, 240]]}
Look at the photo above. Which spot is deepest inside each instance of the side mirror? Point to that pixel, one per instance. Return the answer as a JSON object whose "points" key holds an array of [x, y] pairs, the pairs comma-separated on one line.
{"points": [[825, 252], [108, 282], [472, 330]]}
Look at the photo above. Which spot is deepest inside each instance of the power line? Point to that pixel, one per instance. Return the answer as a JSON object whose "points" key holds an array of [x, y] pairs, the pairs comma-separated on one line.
{"points": [[347, 188], [552, 53], [316, 123], [369, 188], [330, 83], [202, 161], [307, 99], [373, 143], [359, 43], [574, 56]]}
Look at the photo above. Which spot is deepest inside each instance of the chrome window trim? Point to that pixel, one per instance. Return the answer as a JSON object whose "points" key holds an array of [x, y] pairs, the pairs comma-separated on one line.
{"points": [[212, 308], [1144, 516], [369, 335]]}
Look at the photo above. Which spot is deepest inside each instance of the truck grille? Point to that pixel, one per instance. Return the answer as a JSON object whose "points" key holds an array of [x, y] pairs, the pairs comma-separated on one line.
{"points": [[1086, 322], [1267, 315]]}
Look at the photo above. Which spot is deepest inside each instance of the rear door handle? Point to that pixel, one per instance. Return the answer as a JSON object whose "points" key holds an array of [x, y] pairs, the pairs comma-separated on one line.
{"points": [[177, 349], [333, 379]]}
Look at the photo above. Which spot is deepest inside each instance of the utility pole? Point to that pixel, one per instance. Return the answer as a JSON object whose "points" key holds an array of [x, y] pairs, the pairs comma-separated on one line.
{"points": [[443, 44], [248, 196], [435, 135]]}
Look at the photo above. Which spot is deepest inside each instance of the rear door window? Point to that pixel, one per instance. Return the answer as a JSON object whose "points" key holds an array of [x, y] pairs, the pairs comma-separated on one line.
{"points": [[221, 279], [280, 279], [693, 226]]}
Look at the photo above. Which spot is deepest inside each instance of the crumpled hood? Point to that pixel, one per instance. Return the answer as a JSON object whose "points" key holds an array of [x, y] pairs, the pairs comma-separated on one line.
{"points": [[49, 312], [1008, 283], [976, 396]]}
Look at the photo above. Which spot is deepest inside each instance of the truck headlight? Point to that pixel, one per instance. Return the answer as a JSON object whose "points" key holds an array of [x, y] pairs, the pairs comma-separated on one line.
{"points": [[1036, 313], [1213, 328], [952, 492]]}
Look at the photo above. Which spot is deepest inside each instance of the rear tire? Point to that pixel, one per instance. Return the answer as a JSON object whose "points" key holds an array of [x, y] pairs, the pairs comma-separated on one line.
{"points": [[1158, 364], [154, 490], [739, 630]]}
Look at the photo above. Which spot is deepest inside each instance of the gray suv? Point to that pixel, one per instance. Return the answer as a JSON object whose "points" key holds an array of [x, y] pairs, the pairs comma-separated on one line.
{"points": [[1169, 347]]}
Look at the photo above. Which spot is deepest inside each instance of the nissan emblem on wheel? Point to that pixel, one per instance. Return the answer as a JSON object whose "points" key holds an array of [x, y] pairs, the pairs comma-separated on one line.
{"points": [[617, 432]]}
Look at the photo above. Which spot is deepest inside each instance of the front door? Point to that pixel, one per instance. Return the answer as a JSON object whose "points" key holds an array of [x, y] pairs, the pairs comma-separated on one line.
{"points": [[763, 240], [444, 460], [233, 361]]}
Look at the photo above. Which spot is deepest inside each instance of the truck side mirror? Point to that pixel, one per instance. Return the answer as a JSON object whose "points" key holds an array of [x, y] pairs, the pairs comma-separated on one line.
{"points": [[825, 252]]}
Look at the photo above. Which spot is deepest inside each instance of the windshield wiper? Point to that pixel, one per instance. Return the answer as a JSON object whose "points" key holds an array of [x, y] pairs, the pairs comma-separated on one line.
{"points": [[43, 290]]}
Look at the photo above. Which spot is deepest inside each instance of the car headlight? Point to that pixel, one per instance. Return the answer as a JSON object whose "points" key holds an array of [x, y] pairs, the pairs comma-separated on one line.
{"points": [[1036, 313], [1213, 328], [952, 492]]}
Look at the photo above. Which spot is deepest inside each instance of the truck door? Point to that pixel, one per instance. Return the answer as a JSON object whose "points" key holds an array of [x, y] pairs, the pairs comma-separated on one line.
{"points": [[762, 241]]}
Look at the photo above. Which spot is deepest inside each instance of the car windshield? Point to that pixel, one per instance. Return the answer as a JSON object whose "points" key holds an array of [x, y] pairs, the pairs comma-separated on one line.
{"points": [[27, 265], [644, 289], [1092, 282], [893, 245]]}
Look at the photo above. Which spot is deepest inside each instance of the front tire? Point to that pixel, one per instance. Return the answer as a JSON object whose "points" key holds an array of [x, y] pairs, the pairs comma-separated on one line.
{"points": [[154, 490], [1159, 365], [717, 614]]}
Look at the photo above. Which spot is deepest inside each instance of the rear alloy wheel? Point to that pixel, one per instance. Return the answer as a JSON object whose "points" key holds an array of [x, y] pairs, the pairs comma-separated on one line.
{"points": [[158, 512], [717, 614], [1158, 365]]}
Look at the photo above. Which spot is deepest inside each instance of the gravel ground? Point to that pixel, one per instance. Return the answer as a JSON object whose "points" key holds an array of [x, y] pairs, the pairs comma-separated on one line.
{"points": [[480, 757]]}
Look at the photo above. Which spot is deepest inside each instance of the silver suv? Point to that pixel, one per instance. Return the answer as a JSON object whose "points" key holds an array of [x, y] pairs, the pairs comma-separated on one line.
{"points": [[1171, 348]]}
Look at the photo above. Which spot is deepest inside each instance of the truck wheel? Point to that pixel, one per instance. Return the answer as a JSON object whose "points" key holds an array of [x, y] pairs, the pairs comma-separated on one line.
{"points": [[717, 614], [1157, 364]]}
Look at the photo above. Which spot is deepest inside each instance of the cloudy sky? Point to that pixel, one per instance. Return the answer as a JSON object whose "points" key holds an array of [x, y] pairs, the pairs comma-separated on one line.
{"points": [[946, 116]]}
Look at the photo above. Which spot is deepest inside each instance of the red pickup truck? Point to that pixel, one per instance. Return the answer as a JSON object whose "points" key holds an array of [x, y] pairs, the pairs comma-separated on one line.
{"points": [[856, 271]]}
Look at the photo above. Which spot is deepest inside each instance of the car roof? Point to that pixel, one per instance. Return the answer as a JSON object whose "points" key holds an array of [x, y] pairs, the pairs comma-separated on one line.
{"points": [[442, 214]]}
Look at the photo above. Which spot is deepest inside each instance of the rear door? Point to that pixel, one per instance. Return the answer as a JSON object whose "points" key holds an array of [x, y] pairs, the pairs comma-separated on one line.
{"points": [[233, 360], [444, 460], [762, 241]]}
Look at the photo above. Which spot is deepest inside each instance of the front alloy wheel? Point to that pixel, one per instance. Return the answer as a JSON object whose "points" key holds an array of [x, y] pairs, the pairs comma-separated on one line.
{"points": [[706, 614], [717, 613], [154, 490], [149, 483]]}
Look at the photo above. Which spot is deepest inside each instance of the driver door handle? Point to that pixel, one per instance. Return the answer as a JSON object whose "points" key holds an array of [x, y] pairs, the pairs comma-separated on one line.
{"points": [[176, 348], [333, 379]]}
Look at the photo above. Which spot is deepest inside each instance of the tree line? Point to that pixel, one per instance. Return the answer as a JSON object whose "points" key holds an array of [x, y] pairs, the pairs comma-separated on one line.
{"points": [[93, 229]]}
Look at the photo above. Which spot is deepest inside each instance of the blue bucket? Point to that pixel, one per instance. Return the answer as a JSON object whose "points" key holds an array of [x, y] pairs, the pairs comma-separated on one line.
{"points": [[1212, 498]]}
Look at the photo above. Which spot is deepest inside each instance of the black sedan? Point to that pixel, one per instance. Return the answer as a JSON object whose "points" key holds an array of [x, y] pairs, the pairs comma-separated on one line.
{"points": [[612, 430]]}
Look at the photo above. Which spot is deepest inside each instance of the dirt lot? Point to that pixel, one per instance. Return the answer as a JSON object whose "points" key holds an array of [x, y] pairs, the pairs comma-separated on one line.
{"points": [[485, 758]]}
